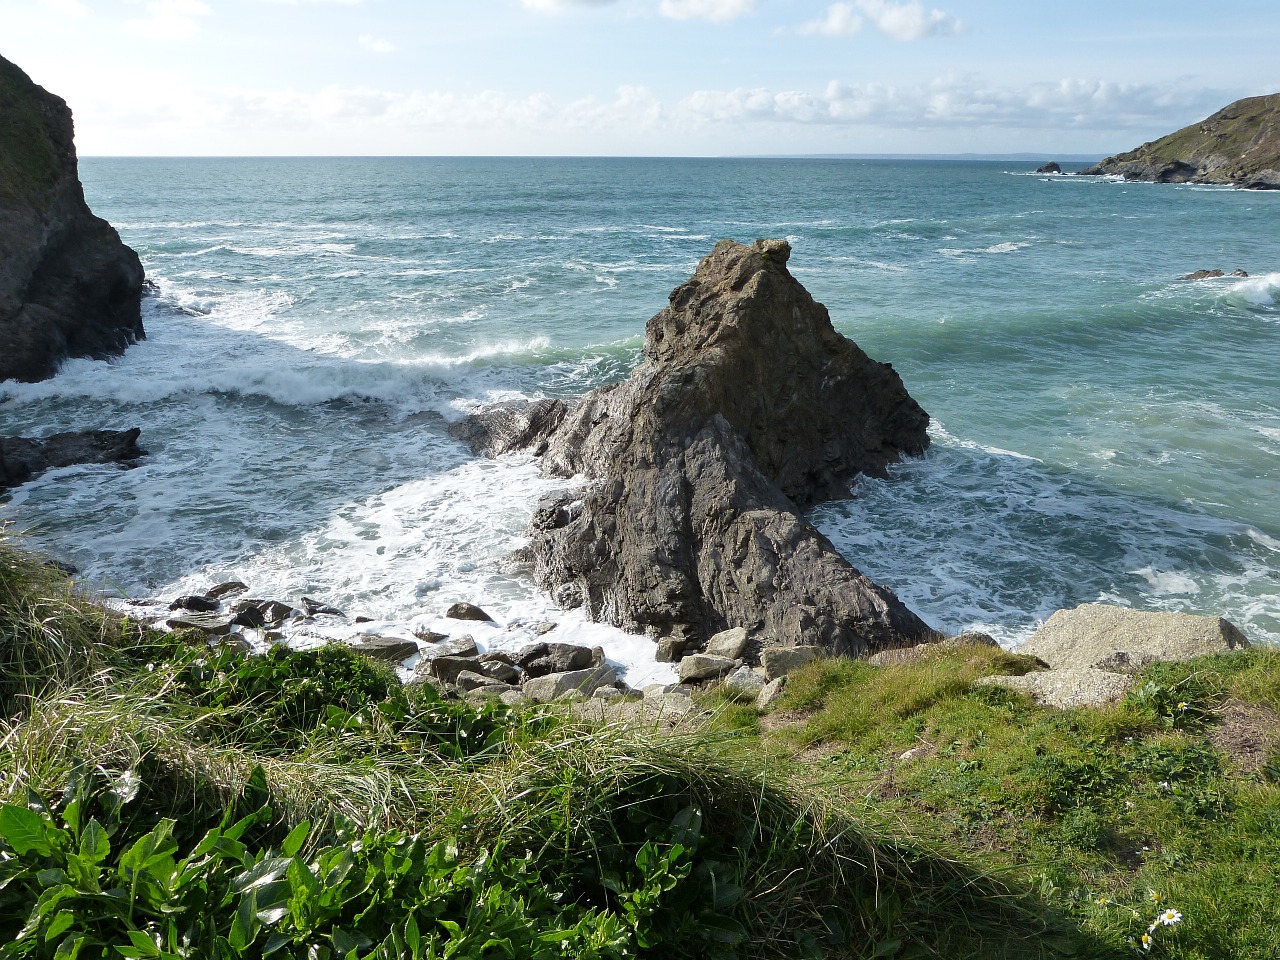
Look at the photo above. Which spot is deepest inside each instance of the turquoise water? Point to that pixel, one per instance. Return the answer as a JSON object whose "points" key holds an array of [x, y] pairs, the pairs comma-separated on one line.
{"points": [[1102, 430]]}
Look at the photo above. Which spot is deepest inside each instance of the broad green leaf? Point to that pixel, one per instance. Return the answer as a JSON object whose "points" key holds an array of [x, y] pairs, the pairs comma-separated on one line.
{"points": [[69, 948], [261, 874], [60, 924], [296, 838], [94, 845], [275, 942], [25, 830]]}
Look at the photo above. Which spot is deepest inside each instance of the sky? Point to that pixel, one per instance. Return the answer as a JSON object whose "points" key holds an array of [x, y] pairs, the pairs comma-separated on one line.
{"points": [[637, 77]]}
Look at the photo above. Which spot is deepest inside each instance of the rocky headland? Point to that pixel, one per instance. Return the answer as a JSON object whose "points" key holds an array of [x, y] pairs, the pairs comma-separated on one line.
{"points": [[1237, 146], [748, 409], [68, 286]]}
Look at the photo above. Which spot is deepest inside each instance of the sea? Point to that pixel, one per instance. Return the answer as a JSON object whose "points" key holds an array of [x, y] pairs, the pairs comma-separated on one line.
{"points": [[1101, 429]]}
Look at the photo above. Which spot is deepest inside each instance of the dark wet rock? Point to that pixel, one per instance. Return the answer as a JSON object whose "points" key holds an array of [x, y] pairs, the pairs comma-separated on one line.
{"points": [[271, 611], [1051, 167], [499, 669], [251, 617], [748, 409], [1211, 274], [199, 604], [1239, 145], [467, 611], [314, 608], [387, 649], [68, 286], [210, 623], [510, 426], [540, 659], [23, 458], [223, 590], [430, 636], [362, 620]]}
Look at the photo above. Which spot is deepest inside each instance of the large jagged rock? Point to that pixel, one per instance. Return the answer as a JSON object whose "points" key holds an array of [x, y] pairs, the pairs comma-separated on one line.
{"points": [[1238, 145], [68, 286], [748, 409], [23, 458]]}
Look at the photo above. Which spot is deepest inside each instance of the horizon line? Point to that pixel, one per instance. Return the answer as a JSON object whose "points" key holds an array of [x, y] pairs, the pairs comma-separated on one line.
{"points": [[1014, 156]]}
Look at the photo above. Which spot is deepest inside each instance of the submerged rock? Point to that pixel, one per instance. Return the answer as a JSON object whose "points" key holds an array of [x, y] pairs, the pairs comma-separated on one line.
{"points": [[68, 286], [748, 409], [23, 458]]}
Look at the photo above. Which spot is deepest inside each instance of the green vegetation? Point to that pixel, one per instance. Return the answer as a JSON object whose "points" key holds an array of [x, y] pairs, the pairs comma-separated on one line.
{"points": [[28, 163], [162, 798]]}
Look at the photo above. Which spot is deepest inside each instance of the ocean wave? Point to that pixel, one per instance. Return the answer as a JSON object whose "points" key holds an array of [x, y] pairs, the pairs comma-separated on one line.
{"points": [[1007, 246]]}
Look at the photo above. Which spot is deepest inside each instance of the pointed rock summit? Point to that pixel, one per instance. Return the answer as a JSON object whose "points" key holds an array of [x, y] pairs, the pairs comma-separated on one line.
{"points": [[748, 408], [68, 286]]}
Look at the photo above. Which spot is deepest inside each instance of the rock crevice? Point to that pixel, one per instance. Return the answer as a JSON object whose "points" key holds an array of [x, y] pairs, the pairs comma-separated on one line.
{"points": [[747, 409]]}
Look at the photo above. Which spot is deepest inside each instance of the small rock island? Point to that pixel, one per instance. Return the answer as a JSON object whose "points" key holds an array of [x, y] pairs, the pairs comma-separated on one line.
{"points": [[748, 409]]}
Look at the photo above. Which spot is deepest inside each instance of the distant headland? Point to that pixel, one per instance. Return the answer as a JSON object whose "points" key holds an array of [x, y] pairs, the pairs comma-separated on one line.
{"points": [[1237, 146]]}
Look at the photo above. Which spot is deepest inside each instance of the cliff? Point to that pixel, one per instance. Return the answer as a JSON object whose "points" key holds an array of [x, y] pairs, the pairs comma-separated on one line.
{"points": [[1239, 146], [748, 409], [68, 286]]}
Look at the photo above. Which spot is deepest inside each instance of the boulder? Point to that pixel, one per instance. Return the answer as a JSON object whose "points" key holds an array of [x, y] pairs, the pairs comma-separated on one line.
{"points": [[540, 659], [1067, 688], [1102, 636], [24, 458], [1051, 167], [770, 693], [746, 680], [448, 669], [556, 685], [728, 643], [702, 666], [210, 623], [228, 589], [467, 611], [748, 409], [387, 649], [470, 680], [779, 661], [314, 608], [68, 286], [198, 604]]}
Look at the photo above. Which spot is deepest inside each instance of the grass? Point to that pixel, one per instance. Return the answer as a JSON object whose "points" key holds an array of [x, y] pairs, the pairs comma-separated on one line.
{"points": [[28, 164], [160, 797], [1111, 815]]}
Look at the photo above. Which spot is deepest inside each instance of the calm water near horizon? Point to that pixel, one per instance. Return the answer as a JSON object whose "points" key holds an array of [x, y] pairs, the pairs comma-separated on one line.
{"points": [[1102, 429]]}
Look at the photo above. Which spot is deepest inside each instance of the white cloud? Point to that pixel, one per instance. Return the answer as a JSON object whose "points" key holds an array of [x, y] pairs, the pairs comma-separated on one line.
{"points": [[717, 11], [376, 44], [559, 6], [901, 21], [67, 8], [907, 21], [842, 20], [952, 102], [169, 20]]}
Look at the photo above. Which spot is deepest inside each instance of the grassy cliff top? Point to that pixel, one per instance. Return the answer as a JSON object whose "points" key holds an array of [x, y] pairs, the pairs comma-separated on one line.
{"points": [[1236, 143], [28, 159]]}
